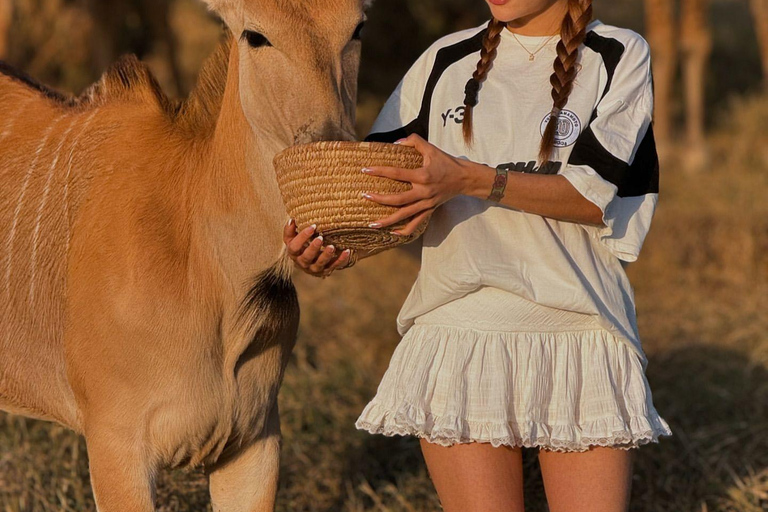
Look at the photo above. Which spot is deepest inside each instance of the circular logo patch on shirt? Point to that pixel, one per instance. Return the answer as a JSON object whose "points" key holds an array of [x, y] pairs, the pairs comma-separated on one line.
{"points": [[568, 128]]}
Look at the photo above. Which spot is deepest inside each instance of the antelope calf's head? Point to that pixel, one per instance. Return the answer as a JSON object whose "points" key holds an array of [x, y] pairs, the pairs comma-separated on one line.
{"points": [[298, 65]]}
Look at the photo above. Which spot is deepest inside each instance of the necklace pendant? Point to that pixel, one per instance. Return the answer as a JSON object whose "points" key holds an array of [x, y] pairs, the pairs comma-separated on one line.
{"points": [[532, 58]]}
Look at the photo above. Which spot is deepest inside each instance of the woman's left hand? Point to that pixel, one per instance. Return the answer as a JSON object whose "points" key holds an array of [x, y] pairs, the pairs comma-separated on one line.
{"points": [[442, 178]]}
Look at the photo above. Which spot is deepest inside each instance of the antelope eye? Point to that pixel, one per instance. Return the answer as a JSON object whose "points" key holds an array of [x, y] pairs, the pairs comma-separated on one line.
{"points": [[255, 39], [358, 32]]}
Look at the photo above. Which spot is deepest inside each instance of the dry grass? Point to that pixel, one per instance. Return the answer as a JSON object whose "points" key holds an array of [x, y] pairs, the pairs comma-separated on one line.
{"points": [[702, 292]]}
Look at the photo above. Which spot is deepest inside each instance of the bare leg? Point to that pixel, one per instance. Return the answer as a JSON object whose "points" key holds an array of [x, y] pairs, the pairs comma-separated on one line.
{"points": [[248, 483], [122, 479], [476, 477], [598, 480]]}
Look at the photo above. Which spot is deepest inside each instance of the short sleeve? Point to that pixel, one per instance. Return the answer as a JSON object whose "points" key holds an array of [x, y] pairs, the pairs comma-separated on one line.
{"points": [[400, 115], [614, 163]]}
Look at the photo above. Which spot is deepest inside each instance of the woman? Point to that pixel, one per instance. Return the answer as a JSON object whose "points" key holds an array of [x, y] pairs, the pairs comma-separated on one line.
{"points": [[520, 329]]}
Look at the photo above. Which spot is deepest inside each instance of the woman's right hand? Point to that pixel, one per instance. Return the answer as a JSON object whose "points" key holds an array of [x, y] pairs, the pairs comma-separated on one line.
{"points": [[310, 256]]}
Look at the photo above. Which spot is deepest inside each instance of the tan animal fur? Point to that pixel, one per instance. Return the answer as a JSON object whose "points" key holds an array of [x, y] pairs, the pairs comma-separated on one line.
{"points": [[145, 300]]}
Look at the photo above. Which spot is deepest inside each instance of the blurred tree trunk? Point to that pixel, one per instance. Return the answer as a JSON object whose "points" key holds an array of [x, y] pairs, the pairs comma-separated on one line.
{"points": [[6, 12], [158, 14], [696, 44], [138, 26], [760, 14], [660, 28]]}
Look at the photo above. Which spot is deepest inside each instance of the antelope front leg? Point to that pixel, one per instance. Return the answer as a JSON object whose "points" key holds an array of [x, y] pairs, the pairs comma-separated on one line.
{"points": [[122, 480], [248, 482]]}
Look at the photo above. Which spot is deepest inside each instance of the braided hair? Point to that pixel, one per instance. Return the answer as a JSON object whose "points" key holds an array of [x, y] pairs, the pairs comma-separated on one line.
{"points": [[487, 55], [573, 31], [572, 34]]}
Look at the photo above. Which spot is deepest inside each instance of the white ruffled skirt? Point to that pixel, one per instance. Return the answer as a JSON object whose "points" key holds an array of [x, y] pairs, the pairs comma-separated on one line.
{"points": [[495, 368]]}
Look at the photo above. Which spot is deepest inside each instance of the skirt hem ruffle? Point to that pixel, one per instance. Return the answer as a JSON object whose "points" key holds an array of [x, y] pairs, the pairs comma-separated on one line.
{"points": [[564, 390], [612, 432]]}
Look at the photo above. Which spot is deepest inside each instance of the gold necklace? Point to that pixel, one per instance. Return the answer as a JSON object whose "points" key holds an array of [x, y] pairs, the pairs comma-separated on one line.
{"points": [[532, 55]]}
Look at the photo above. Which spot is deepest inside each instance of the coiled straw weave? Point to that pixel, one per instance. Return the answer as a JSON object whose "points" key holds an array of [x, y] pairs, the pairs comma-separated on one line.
{"points": [[322, 183]]}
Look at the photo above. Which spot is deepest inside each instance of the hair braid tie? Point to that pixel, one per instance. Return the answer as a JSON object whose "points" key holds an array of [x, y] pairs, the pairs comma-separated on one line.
{"points": [[491, 42], [470, 92]]}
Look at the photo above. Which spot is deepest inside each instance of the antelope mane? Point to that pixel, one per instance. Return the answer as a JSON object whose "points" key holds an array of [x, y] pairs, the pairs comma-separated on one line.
{"points": [[130, 80]]}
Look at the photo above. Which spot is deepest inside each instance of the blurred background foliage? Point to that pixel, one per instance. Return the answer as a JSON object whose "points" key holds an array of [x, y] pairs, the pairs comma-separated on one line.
{"points": [[69, 43], [701, 283]]}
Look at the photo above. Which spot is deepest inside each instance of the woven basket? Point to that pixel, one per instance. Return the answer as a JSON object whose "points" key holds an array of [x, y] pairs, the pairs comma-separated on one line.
{"points": [[322, 183]]}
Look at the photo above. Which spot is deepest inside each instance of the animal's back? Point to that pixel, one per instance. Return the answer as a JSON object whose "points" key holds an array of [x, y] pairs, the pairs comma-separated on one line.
{"points": [[51, 148], [38, 135]]}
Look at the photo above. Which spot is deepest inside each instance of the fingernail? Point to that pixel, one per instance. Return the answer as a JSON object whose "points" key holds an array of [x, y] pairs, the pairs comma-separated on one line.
{"points": [[367, 196], [367, 170], [348, 251], [310, 229], [375, 225], [289, 222], [397, 233], [332, 248], [399, 141], [320, 239]]}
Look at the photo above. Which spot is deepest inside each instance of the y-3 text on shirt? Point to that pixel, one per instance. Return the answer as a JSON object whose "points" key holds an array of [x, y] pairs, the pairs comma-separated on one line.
{"points": [[456, 114]]}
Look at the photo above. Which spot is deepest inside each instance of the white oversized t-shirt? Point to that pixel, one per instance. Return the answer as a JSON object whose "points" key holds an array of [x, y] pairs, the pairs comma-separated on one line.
{"points": [[604, 147]]}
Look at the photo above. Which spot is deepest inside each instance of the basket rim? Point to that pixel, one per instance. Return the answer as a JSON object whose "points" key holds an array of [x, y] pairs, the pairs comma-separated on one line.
{"points": [[329, 145]]}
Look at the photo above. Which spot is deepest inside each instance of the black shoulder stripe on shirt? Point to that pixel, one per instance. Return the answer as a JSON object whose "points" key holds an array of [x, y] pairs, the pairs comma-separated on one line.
{"points": [[642, 175], [636, 179], [611, 52], [443, 60]]}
